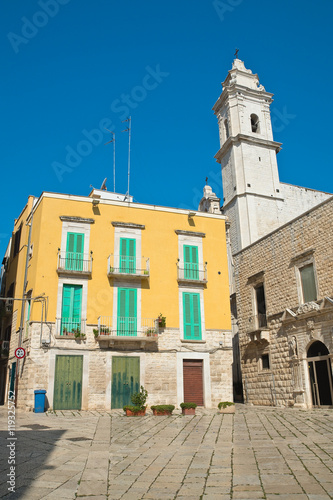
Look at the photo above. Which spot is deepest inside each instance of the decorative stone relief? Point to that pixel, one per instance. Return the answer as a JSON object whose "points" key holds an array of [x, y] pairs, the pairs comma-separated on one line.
{"points": [[310, 326], [308, 307]]}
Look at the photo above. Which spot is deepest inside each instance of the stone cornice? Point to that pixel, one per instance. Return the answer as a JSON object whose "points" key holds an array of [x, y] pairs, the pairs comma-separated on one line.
{"points": [[190, 233], [130, 225], [81, 220], [229, 91], [249, 140], [256, 277], [302, 255]]}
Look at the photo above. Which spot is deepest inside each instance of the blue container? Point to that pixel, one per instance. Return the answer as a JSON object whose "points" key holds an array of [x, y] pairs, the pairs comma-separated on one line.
{"points": [[40, 401]]}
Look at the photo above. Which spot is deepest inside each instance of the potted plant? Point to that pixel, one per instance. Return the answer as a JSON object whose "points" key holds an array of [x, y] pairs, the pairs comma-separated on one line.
{"points": [[139, 404], [161, 321], [188, 408], [226, 407], [151, 332], [159, 410]]}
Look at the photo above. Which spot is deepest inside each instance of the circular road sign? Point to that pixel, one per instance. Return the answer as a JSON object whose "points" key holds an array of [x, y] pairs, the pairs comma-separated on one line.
{"points": [[20, 353]]}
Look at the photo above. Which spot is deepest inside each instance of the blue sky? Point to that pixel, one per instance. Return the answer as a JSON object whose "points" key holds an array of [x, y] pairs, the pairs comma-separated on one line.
{"points": [[70, 67]]}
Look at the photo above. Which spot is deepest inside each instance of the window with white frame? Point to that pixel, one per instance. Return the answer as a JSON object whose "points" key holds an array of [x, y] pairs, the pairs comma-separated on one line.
{"points": [[191, 265], [74, 250], [126, 257]]}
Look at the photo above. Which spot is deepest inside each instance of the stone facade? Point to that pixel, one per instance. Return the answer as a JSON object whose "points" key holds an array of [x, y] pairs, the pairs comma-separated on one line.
{"points": [[160, 369], [292, 325]]}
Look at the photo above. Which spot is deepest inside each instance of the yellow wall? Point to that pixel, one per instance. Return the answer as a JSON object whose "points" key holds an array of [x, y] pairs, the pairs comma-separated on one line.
{"points": [[159, 243]]}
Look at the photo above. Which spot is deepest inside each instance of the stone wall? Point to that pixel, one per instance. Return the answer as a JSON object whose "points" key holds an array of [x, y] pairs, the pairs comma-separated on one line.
{"points": [[273, 260], [158, 365]]}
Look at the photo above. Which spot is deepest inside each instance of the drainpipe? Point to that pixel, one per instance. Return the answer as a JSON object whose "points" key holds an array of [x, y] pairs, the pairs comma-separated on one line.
{"points": [[23, 303]]}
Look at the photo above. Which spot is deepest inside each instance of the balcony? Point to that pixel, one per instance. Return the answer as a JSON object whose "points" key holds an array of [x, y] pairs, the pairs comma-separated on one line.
{"points": [[192, 273], [131, 267], [127, 329], [257, 328], [70, 328], [74, 264]]}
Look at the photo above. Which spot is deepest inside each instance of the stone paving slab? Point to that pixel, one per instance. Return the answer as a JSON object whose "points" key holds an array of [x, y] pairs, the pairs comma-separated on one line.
{"points": [[260, 452]]}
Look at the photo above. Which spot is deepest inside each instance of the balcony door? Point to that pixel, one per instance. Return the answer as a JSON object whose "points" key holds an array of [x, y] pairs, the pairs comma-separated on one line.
{"points": [[127, 312], [74, 251]]}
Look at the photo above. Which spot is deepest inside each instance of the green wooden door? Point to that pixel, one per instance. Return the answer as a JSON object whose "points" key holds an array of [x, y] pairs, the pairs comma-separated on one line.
{"points": [[125, 380], [127, 256], [127, 312], [191, 266], [68, 383], [71, 309], [12, 379], [74, 251]]}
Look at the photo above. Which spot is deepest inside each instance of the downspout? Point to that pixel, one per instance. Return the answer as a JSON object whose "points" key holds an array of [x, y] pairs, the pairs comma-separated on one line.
{"points": [[23, 302]]}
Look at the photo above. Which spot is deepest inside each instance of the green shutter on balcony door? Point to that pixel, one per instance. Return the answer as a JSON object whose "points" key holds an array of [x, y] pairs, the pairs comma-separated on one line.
{"points": [[127, 255], [74, 251], [71, 307], [191, 267], [192, 316], [127, 312]]}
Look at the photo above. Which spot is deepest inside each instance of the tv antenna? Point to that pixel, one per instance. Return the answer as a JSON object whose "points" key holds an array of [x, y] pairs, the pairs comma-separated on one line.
{"points": [[114, 157], [128, 129]]}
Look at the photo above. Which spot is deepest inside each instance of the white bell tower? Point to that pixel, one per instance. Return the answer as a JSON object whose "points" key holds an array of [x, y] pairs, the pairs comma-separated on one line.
{"points": [[251, 186]]}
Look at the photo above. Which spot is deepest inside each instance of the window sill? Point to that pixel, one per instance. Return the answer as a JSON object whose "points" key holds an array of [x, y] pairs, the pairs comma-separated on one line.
{"points": [[186, 341]]}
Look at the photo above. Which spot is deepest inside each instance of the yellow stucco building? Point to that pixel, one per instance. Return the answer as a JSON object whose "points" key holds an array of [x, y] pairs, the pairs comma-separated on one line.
{"points": [[116, 295]]}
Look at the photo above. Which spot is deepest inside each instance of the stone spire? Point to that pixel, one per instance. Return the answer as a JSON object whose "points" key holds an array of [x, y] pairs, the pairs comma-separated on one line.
{"points": [[210, 202]]}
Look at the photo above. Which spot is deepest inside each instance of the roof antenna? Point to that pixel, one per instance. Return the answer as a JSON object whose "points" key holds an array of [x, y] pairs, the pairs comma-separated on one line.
{"points": [[128, 129], [114, 157]]}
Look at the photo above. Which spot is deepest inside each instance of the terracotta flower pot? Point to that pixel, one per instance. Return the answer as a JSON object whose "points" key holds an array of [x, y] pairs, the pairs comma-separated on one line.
{"points": [[140, 413], [161, 413], [188, 411]]}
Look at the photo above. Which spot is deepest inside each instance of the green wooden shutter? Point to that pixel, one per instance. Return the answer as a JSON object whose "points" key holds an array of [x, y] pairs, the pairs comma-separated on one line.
{"points": [[196, 318], [132, 320], [127, 255], [71, 307], [191, 315], [127, 312], [74, 251], [191, 267], [121, 320], [187, 315]]}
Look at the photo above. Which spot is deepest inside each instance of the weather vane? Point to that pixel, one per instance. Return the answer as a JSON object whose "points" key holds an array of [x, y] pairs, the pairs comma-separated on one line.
{"points": [[206, 180], [236, 53]]}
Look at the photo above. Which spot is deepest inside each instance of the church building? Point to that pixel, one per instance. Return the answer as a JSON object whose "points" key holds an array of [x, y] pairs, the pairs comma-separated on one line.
{"points": [[280, 257]]}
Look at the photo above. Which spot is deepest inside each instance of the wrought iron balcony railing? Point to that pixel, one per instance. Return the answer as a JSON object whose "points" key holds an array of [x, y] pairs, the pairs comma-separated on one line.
{"points": [[129, 266], [192, 272], [71, 327], [74, 263], [127, 327]]}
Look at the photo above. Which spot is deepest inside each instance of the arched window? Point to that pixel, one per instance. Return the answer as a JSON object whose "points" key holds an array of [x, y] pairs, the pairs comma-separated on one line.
{"points": [[254, 123], [226, 128]]}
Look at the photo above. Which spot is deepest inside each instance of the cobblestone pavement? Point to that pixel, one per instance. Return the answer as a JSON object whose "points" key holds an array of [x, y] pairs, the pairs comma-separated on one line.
{"points": [[257, 453]]}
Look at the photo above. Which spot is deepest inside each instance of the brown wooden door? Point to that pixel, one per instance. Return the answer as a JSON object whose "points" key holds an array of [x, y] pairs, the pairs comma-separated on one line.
{"points": [[193, 382]]}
